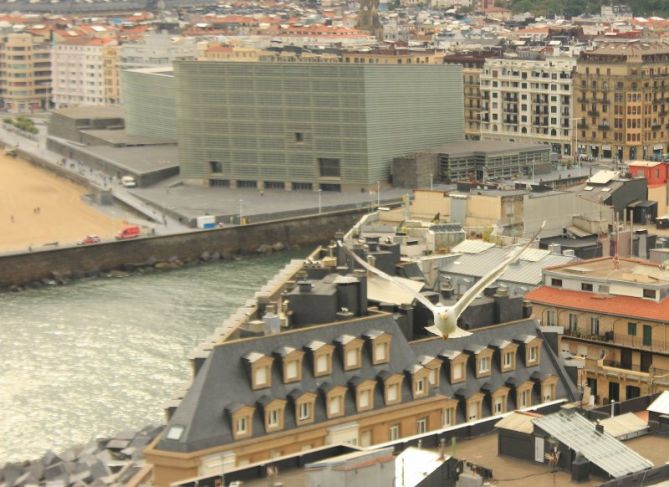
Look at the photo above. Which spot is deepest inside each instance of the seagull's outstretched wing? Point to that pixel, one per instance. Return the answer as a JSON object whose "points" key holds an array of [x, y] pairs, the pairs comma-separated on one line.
{"points": [[426, 302], [355, 230], [491, 277]]}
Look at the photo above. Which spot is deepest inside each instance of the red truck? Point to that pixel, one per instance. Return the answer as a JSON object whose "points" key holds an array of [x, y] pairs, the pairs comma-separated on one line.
{"points": [[128, 232]]}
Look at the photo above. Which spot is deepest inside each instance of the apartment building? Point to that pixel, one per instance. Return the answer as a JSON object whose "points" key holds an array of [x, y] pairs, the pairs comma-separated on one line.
{"points": [[337, 371], [529, 101], [84, 72], [156, 49], [472, 66], [25, 73], [621, 100], [614, 314]]}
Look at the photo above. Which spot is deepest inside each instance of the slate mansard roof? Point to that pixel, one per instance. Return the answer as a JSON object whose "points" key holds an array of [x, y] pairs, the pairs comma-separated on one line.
{"points": [[223, 383]]}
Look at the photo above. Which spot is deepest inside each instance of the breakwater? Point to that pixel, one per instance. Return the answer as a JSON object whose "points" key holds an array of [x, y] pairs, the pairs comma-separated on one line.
{"points": [[170, 251]]}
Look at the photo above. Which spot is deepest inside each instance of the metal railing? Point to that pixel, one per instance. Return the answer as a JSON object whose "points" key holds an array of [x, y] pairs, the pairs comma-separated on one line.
{"points": [[629, 341]]}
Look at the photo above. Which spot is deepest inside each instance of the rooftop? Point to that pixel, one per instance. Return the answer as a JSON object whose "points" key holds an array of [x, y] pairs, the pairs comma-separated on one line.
{"points": [[627, 270], [485, 147]]}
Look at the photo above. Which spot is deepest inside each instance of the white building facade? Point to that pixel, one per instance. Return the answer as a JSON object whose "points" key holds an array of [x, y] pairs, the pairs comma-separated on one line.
{"points": [[156, 49], [528, 101], [78, 68]]}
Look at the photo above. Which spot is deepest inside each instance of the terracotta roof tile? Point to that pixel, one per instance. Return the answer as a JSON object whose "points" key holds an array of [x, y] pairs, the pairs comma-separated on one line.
{"points": [[611, 305]]}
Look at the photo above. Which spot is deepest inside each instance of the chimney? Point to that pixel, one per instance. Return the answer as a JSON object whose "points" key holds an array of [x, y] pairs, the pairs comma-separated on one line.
{"points": [[599, 427], [527, 309], [446, 289], [361, 275], [304, 286]]}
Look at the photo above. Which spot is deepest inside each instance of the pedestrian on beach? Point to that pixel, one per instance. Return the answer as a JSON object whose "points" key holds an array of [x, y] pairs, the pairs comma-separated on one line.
{"points": [[11, 218]]}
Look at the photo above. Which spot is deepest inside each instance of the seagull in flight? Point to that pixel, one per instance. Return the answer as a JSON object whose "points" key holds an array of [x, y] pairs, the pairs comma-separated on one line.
{"points": [[446, 317]]}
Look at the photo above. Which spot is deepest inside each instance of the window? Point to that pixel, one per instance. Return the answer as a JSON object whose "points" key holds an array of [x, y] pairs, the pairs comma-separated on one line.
{"points": [[556, 282], [322, 364], [421, 426], [393, 392], [352, 359], [394, 432], [586, 286], [647, 335], [594, 325], [498, 405], [448, 417], [363, 399], [525, 399], [631, 329], [420, 387], [329, 167], [299, 137], [649, 293], [547, 392], [507, 360], [292, 371], [484, 365], [304, 411], [380, 352], [473, 410], [215, 166], [273, 418], [334, 406], [573, 322], [551, 317], [533, 354], [242, 425], [433, 376], [261, 376], [458, 372], [302, 186]]}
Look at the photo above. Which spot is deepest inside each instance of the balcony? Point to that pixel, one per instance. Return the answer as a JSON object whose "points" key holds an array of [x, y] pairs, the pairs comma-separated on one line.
{"points": [[627, 341], [593, 113], [603, 126]]}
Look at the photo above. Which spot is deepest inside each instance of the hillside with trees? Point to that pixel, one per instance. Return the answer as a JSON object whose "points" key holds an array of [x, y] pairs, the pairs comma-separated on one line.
{"points": [[572, 8]]}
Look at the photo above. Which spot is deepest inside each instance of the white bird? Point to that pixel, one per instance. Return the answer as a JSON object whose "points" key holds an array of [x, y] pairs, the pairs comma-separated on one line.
{"points": [[446, 317]]}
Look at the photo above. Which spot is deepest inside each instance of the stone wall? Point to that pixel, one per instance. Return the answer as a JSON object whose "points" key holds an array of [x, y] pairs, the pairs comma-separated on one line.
{"points": [[20, 269]]}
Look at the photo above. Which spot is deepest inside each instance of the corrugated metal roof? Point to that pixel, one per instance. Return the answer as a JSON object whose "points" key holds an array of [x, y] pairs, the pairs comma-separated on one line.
{"points": [[602, 449], [524, 272], [624, 426], [661, 404]]}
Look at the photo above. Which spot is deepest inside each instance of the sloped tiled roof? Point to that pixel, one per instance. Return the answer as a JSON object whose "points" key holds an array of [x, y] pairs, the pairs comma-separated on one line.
{"points": [[628, 306]]}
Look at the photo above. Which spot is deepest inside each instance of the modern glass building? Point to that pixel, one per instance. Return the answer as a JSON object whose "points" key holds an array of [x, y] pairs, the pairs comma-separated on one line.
{"points": [[147, 95], [307, 126]]}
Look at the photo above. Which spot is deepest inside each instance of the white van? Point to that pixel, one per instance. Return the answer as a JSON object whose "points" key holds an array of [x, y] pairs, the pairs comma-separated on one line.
{"points": [[128, 181]]}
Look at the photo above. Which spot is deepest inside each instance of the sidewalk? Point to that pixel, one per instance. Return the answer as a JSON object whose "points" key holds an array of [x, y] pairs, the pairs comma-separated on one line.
{"points": [[159, 222]]}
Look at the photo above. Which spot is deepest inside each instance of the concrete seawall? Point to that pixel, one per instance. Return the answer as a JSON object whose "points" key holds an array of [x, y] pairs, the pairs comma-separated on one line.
{"points": [[21, 269]]}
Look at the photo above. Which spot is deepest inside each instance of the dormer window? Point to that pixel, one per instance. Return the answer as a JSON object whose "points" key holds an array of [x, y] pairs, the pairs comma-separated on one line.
{"points": [[380, 346], [365, 395], [304, 411], [484, 366], [335, 402], [456, 361], [393, 389], [524, 395], [549, 389], [532, 349], [261, 370], [419, 381], [322, 358], [241, 420], [351, 350], [508, 360], [291, 360], [433, 366], [499, 400], [304, 408], [274, 412], [483, 359]]}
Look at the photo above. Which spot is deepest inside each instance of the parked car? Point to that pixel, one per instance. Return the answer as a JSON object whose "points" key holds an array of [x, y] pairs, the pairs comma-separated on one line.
{"points": [[89, 239], [128, 232]]}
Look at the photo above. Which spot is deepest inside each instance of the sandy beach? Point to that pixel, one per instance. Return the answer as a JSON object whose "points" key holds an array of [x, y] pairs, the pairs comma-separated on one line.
{"points": [[37, 208]]}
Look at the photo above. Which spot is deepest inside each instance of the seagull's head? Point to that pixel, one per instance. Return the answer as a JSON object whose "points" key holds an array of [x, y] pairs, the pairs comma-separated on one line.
{"points": [[443, 315]]}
